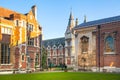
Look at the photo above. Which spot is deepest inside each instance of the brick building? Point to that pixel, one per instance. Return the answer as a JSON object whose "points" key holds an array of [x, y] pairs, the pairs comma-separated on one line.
{"points": [[55, 51], [97, 44], [93, 45], [19, 40], [67, 43]]}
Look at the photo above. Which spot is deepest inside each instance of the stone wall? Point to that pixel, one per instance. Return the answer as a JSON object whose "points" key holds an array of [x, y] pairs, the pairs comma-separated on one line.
{"points": [[88, 58]]}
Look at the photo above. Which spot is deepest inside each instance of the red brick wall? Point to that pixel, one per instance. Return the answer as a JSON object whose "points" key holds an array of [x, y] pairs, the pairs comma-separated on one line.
{"points": [[32, 58], [57, 56], [17, 56], [6, 38], [106, 59], [6, 67], [17, 52]]}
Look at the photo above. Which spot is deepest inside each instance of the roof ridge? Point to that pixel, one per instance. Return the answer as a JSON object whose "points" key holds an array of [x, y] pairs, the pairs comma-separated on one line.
{"points": [[54, 38], [12, 10], [99, 21], [104, 18]]}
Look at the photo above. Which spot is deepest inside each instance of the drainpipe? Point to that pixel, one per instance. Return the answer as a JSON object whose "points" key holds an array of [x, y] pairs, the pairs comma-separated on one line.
{"points": [[40, 52], [99, 26]]}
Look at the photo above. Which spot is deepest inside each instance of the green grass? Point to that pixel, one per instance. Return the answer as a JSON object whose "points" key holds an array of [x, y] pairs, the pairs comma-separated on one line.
{"points": [[62, 76]]}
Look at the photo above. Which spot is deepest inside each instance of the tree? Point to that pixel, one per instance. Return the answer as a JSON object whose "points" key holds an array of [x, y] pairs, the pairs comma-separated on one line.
{"points": [[44, 58]]}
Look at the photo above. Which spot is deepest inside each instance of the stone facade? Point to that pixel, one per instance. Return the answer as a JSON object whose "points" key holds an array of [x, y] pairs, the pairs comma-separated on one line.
{"points": [[19, 40], [85, 45]]}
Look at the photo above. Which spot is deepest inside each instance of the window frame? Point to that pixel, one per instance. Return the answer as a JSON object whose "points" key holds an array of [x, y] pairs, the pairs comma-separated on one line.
{"points": [[112, 52], [5, 54], [84, 44], [31, 41]]}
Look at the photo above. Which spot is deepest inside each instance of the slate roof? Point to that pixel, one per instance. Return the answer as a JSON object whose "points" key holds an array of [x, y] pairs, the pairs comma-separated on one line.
{"points": [[56, 41], [98, 22]]}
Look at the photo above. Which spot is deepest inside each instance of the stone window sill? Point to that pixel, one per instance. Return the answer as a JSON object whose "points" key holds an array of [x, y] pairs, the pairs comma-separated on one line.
{"points": [[5, 64], [109, 53]]}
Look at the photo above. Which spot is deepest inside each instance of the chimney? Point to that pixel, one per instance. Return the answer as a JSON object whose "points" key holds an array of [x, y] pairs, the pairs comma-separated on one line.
{"points": [[34, 11]]}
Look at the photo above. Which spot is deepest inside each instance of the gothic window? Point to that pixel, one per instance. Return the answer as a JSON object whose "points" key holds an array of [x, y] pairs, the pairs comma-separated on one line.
{"points": [[84, 44], [109, 44], [5, 54]]}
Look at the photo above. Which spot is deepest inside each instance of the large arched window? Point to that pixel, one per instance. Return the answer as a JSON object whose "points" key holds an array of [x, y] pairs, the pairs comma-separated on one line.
{"points": [[109, 44], [85, 44]]}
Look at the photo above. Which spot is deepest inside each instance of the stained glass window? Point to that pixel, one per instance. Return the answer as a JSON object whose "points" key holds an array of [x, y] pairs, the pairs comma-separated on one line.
{"points": [[109, 44]]}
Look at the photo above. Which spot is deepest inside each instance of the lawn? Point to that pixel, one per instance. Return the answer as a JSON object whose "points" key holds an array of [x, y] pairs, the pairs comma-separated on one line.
{"points": [[62, 76]]}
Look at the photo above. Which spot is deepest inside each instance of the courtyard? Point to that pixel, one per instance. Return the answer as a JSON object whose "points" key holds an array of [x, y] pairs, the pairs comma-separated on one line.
{"points": [[62, 76]]}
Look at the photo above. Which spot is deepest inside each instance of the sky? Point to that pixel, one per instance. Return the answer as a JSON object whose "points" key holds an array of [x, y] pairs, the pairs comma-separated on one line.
{"points": [[53, 15]]}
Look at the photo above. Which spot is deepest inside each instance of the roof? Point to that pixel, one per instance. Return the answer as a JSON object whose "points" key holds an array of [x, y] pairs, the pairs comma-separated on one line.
{"points": [[56, 41], [98, 22], [4, 12]]}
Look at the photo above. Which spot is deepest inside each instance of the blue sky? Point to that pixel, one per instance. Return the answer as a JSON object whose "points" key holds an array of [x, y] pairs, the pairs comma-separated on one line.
{"points": [[53, 15]]}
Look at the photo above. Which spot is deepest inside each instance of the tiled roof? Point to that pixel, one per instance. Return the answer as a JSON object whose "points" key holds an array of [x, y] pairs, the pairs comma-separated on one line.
{"points": [[52, 42], [4, 12], [98, 22]]}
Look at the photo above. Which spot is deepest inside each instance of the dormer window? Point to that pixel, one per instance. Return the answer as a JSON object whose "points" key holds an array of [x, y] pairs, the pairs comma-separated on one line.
{"points": [[48, 48], [54, 47], [60, 47]]}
